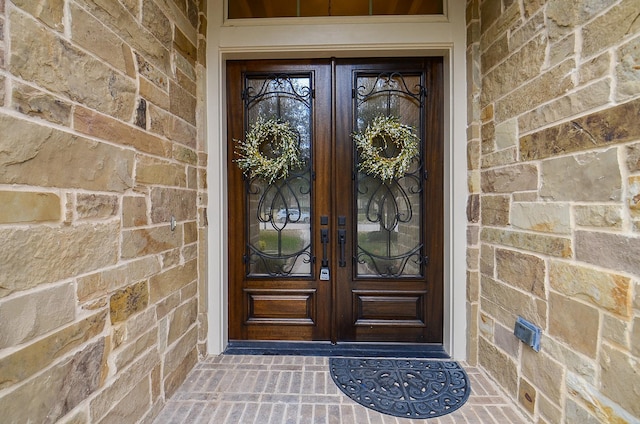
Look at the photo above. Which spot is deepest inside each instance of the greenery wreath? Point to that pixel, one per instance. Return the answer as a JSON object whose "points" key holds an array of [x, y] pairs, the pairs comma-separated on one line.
{"points": [[386, 129], [284, 156]]}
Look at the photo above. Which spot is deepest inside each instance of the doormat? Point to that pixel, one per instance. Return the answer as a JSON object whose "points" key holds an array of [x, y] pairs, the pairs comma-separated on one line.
{"points": [[409, 388]]}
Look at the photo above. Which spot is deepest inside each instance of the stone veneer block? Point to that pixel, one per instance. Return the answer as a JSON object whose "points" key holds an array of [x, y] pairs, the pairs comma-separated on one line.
{"points": [[548, 245], [495, 210], [42, 57], [106, 128], [168, 202], [155, 21], [526, 272], [181, 103], [571, 104], [633, 157], [31, 149], [21, 206], [120, 385], [510, 178], [527, 396], [95, 37], [607, 216], [185, 155], [542, 217], [634, 196], [608, 29], [174, 379], [172, 127], [132, 407], [514, 302], [49, 396], [27, 317], [96, 206], [29, 360], [628, 69], [575, 323], [36, 103], [190, 232], [172, 280], [183, 317], [129, 352], [617, 124], [612, 251], [53, 254], [548, 86], [134, 211], [149, 241], [129, 301], [126, 25], [185, 47], [50, 12], [154, 171], [544, 372], [589, 177], [620, 381], [502, 368], [610, 292], [105, 282]]}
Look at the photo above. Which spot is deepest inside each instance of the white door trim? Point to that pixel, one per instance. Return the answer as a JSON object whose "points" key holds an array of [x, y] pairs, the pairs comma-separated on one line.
{"points": [[325, 38]]}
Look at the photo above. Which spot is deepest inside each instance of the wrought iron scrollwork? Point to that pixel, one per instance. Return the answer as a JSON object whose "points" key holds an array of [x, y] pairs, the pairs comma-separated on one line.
{"points": [[392, 207], [277, 245]]}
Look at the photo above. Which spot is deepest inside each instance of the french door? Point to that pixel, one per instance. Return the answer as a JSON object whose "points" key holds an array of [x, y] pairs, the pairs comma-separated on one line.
{"points": [[332, 251]]}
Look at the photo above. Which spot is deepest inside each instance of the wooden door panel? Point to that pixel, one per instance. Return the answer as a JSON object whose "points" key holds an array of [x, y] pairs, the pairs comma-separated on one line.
{"points": [[393, 293], [268, 298], [389, 307]]}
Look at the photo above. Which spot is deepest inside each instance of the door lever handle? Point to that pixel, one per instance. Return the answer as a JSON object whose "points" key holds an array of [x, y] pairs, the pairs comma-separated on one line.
{"points": [[342, 241]]}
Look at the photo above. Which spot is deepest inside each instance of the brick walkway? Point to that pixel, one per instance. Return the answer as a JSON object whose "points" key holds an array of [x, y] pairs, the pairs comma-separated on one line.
{"points": [[298, 389]]}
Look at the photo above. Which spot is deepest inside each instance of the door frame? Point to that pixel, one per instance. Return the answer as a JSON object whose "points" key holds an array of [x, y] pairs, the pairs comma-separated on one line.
{"points": [[272, 39]]}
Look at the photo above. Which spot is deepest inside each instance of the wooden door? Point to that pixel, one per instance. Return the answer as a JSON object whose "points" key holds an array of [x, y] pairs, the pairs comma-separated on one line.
{"points": [[379, 242]]}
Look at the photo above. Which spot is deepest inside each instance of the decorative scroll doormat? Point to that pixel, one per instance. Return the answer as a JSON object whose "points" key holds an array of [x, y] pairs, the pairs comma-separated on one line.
{"points": [[409, 388]]}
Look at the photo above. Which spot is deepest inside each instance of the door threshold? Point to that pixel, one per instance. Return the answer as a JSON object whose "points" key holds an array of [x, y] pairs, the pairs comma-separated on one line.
{"points": [[367, 350]]}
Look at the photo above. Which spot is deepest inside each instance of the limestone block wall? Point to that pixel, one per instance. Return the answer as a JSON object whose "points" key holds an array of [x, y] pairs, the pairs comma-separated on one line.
{"points": [[554, 205], [102, 308]]}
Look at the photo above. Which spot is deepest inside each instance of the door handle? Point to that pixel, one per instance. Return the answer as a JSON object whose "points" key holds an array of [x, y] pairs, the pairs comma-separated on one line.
{"points": [[324, 238], [342, 241]]}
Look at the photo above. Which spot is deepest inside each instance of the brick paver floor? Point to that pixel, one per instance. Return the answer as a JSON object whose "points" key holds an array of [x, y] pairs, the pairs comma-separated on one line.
{"points": [[231, 389]]}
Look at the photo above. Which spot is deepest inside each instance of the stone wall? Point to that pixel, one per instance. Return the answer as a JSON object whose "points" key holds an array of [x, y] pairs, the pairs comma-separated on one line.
{"points": [[554, 205], [101, 143]]}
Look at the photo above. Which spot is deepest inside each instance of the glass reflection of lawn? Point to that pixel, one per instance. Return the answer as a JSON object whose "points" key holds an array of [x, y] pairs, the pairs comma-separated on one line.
{"points": [[291, 241]]}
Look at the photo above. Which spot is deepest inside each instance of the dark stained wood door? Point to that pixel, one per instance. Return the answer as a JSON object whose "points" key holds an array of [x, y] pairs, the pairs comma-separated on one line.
{"points": [[380, 242]]}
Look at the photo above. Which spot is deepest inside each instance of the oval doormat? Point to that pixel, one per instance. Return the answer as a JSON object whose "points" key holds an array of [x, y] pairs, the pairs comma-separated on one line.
{"points": [[409, 388]]}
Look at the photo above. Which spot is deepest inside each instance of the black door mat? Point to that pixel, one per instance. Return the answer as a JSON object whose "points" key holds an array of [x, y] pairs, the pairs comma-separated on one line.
{"points": [[408, 388]]}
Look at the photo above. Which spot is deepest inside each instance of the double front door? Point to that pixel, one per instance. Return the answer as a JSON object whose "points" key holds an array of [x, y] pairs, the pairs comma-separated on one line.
{"points": [[330, 240]]}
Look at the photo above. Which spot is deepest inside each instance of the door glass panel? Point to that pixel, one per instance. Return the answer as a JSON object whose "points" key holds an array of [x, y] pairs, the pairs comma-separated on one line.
{"points": [[239, 9], [389, 213], [279, 212]]}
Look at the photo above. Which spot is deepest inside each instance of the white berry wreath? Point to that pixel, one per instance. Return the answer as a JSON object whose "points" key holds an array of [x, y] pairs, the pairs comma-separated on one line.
{"points": [[284, 142], [386, 129]]}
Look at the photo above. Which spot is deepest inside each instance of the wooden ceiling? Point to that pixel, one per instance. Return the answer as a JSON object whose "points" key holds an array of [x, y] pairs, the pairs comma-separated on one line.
{"points": [[293, 8]]}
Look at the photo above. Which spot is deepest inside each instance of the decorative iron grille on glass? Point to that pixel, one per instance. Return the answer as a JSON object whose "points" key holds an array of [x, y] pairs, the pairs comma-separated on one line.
{"points": [[390, 240], [278, 213]]}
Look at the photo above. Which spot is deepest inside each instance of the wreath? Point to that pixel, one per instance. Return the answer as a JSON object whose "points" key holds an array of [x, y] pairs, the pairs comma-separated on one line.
{"points": [[276, 164], [385, 130]]}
